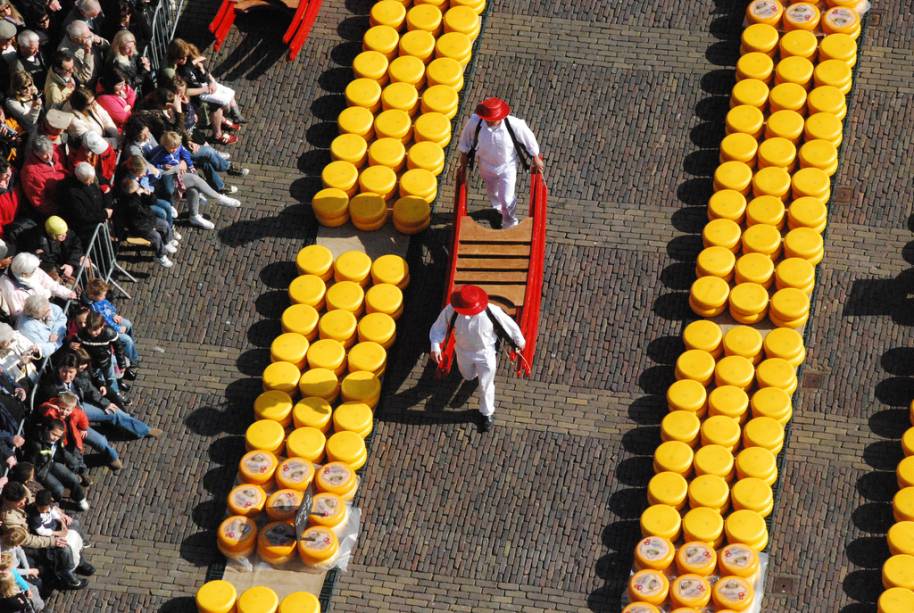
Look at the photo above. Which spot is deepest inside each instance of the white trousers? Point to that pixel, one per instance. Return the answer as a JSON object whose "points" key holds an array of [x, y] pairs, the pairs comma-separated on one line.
{"points": [[474, 365], [500, 189]]}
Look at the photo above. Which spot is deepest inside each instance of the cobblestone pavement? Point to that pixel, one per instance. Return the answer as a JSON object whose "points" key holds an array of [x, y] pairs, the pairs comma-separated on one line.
{"points": [[541, 514]]}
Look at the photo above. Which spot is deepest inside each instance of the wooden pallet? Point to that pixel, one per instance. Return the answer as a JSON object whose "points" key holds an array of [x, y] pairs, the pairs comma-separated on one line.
{"points": [[496, 260]]}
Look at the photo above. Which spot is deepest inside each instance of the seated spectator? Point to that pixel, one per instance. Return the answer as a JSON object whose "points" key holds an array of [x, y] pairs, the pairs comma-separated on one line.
{"points": [[97, 151], [37, 17], [25, 278], [7, 44], [88, 11], [100, 341], [118, 97], [147, 178], [97, 297], [11, 415], [88, 51], [29, 57], [66, 376], [11, 15], [43, 323], [18, 356], [53, 127], [13, 502], [24, 474], [136, 211], [85, 204], [60, 83], [88, 115], [60, 251], [11, 541], [9, 200], [42, 174], [66, 408], [15, 592], [125, 57], [187, 61], [23, 101], [55, 467], [75, 323], [12, 137]]}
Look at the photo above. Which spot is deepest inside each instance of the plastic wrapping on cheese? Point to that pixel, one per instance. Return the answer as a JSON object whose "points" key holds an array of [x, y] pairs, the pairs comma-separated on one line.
{"points": [[733, 593], [257, 466], [246, 499], [283, 504], [294, 474], [318, 546], [236, 536], [696, 558], [690, 591], [328, 510], [337, 478], [738, 560], [649, 585], [654, 552], [276, 542]]}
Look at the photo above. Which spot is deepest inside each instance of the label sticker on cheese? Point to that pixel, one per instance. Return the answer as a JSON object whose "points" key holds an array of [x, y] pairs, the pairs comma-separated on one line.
{"points": [[840, 17], [282, 504], [246, 499], [801, 13], [237, 528], [335, 474], [732, 592], [295, 473], [653, 548], [258, 462], [764, 8]]}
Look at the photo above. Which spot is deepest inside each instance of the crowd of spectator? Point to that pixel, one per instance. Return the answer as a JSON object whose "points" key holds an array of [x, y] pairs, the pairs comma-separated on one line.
{"points": [[90, 137]]}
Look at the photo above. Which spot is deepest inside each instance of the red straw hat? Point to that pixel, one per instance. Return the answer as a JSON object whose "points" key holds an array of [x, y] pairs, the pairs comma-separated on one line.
{"points": [[469, 300], [493, 109]]}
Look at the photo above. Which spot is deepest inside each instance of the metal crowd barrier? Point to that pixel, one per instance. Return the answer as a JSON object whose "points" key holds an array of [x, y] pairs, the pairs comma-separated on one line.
{"points": [[164, 24]]}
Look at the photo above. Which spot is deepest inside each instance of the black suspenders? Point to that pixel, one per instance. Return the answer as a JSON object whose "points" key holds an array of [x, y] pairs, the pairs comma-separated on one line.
{"points": [[525, 156], [500, 331]]}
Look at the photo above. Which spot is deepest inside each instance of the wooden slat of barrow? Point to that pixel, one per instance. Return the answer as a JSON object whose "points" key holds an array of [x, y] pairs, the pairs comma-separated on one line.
{"points": [[475, 277], [509, 249], [514, 294], [472, 231], [484, 263]]}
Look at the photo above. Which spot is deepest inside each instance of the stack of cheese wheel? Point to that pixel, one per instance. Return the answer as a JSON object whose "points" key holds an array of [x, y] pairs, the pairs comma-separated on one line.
{"points": [[898, 569], [398, 116], [736, 378], [412, 214], [257, 599], [216, 597], [236, 537]]}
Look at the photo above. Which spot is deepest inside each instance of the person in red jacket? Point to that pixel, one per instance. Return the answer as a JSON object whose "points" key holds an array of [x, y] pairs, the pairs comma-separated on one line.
{"points": [[41, 175], [79, 433], [96, 151], [116, 96], [9, 196]]}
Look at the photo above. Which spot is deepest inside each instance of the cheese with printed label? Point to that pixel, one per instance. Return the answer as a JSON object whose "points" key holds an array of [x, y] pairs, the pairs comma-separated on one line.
{"points": [[276, 542], [294, 474], [649, 586], [236, 536], [733, 593], [337, 478], [318, 544], [696, 558], [257, 466], [246, 499], [654, 552], [690, 591], [283, 504]]}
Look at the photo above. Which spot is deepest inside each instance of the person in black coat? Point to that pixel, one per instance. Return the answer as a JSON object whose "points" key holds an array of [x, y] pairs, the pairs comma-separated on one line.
{"points": [[60, 250], [85, 205], [135, 214], [100, 340], [55, 467]]}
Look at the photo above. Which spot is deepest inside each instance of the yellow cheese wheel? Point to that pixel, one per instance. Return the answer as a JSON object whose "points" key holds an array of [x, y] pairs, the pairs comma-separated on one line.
{"points": [[361, 386], [687, 395], [775, 372], [216, 597], [772, 181], [727, 204], [730, 401], [667, 488], [755, 268], [746, 527], [764, 11], [289, 347], [703, 525], [358, 120], [308, 289], [257, 466], [738, 560], [302, 319], [674, 456], [276, 542], [709, 491], [280, 376], [903, 504], [733, 593], [315, 260], [714, 460], [649, 585], [696, 558], [370, 65], [907, 442], [313, 412], [900, 538], [746, 119], [329, 354], [640, 607], [772, 402], [754, 495], [759, 37], [383, 39], [384, 298], [654, 552], [734, 175], [783, 343], [661, 520], [757, 462], [347, 295], [347, 447], [720, 430], [690, 591], [738, 146], [788, 97], [307, 443], [896, 600], [703, 335], [680, 426], [743, 340], [265, 434], [754, 65], [418, 43], [318, 544], [695, 364], [246, 499], [709, 292], [275, 405], [715, 261], [355, 417], [300, 602], [283, 504], [337, 478], [327, 509], [294, 474], [338, 325], [734, 370], [237, 536], [258, 599], [763, 432], [898, 571], [319, 382], [377, 328]]}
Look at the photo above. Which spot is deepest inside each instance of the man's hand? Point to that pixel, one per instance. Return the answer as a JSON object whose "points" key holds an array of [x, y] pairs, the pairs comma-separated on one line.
{"points": [[111, 409], [436, 355], [538, 165], [211, 88], [19, 393], [118, 319], [59, 541], [53, 338], [122, 329], [67, 270], [18, 441], [32, 572], [144, 62], [11, 461], [66, 519], [103, 390], [83, 434]]}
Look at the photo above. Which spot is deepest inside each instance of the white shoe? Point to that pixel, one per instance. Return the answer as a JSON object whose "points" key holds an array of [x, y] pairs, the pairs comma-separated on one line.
{"points": [[201, 222], [83, 504], [176, 235], [171, 247], [230, 189], [229, 202], [203, 199], [174, 212], [164, 261], [509, 223]]}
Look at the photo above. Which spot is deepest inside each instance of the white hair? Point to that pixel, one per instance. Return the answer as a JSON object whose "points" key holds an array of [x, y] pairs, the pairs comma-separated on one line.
{"points": [[88, 5], [42, 144], [24, 264], [6, 333], [84, 171], [26, 37], [77, 28], [34, 306]]}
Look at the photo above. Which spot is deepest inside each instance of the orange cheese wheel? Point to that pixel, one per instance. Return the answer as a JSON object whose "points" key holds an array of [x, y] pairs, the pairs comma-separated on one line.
{"points": [[733, 593], [246, 499], [640, 607], [328, 510], [294, 474], [318, 544], [257, 466], [690, 591], [696, 558], [337, 478], [738, 560], [276, 542], [283, 504], [654, 552], [649, 585], [237, 536]]}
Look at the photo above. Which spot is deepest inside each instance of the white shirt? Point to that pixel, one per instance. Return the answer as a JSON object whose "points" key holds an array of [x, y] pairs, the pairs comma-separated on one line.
{"points": [[495, 151], [474, 334]]}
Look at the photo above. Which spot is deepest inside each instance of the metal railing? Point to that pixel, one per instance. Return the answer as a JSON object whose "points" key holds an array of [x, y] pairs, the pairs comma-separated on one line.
{"points": [[164, 24]]}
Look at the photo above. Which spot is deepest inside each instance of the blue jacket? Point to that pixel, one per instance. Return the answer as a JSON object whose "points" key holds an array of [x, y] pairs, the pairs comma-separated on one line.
{"points": [[160, 158]]}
